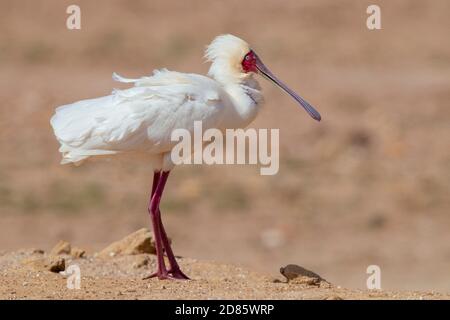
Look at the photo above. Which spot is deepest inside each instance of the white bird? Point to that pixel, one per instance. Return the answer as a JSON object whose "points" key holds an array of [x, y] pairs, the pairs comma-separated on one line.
{"points": [[141, 119]]}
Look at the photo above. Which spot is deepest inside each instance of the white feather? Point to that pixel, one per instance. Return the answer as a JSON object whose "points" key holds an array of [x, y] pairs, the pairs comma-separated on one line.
{"points": [[142, 118]]}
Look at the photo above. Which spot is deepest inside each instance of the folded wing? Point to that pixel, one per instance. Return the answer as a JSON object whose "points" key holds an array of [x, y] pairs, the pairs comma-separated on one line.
{"points": [[140, 118]]}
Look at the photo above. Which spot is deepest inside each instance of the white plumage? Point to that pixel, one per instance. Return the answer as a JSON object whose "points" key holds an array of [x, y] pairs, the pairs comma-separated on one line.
{"points": [[141, 118]]}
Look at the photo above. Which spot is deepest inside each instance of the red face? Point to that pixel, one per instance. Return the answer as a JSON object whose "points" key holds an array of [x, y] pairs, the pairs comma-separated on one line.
{"points": [[252, 63], [249, 62]]}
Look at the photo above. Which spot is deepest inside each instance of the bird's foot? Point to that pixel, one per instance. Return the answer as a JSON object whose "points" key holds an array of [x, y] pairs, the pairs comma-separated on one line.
{"points": [[154, 274], [178, 274], [168, 275]]}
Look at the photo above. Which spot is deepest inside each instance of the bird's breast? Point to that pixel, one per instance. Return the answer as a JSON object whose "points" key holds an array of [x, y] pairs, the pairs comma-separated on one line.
{"points": [[247, 102]]}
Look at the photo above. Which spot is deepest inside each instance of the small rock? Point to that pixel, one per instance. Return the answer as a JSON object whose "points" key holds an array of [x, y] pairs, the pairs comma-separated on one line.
{"points": [[333, 298], [299, 275], [138, 242], [77, 252], [56, 264], [62, 247], [50, 263]]}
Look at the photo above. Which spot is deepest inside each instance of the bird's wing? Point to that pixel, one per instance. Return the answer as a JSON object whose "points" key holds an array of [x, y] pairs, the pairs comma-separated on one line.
{"points": [[140, 118]]}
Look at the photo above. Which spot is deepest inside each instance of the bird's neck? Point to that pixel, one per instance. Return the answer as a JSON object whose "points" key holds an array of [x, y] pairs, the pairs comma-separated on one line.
{"points": [[242, 88], [247, 98]]}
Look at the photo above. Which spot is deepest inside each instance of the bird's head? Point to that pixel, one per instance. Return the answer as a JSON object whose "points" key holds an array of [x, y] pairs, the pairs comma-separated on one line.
{"points": [[234, 61]]}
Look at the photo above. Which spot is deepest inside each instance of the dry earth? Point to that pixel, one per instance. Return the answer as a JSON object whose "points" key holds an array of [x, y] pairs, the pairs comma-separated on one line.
{"points": [[117, 272]]}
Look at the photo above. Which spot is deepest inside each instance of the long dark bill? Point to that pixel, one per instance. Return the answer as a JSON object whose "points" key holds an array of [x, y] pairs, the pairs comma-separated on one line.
{"points": [[270, 76]]}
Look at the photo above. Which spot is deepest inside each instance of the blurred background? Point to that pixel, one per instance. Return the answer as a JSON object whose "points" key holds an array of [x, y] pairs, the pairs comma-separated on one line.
{"points": [[368, 185]]}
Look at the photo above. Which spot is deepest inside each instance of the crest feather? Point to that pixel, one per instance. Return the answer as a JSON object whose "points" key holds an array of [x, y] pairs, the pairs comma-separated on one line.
{"points": [[226, 53]]}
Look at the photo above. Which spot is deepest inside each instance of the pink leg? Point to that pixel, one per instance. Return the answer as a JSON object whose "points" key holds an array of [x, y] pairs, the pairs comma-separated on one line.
{"points": [[161, 272], [161, 239], [174, 267]]}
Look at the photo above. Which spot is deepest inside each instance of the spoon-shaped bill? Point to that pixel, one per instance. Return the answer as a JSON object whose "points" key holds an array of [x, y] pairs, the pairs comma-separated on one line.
{"points": [[270, 76]]}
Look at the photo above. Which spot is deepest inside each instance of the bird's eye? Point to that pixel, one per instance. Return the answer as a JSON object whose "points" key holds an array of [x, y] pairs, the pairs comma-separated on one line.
{"points": [[247, 57]]}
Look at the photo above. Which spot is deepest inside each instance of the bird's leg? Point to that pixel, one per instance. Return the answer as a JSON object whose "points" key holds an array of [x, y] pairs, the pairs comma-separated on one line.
{"points": [[161, 273], [156, 177], [175, 270], [164, 239], [174, 267]]}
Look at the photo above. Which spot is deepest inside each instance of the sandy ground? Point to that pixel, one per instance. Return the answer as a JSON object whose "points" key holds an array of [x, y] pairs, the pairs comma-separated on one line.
{"points": [[122, 277], [369, 185]]}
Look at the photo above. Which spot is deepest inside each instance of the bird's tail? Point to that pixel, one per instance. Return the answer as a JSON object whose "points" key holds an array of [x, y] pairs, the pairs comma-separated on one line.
{"points": [[73, 125]]}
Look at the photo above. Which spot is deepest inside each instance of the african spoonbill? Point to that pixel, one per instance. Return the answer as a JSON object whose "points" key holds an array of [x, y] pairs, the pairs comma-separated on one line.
{"points": [[140, 119]]}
